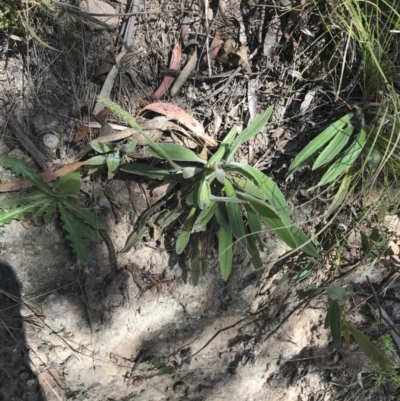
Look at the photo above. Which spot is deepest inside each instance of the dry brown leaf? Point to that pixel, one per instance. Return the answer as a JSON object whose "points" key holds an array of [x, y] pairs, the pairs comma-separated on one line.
{"points": [[176, 113], [169, 78], [185, 73], [84, 130], [242, 52], [214, 48], [222, 10]]}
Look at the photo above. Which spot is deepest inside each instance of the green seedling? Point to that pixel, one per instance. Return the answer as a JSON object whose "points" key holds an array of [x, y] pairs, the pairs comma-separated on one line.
{"points": [[110, 156]]}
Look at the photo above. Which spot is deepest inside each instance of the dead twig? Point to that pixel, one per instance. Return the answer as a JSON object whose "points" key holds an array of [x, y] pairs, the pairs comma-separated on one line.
{"points": [[230, 79]]}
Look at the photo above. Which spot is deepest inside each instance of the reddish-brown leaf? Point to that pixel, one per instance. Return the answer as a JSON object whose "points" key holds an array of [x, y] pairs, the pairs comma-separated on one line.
{"points": [[168, 78]]}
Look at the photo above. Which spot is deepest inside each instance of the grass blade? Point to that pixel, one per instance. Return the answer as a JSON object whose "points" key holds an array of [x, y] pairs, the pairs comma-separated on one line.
{"points": [[254, 222], [153, 173], [219, 154]]}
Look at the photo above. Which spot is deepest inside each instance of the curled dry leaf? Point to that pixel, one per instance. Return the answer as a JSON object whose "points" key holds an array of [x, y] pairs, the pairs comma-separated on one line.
{"points": [[169, 78], [176, 113], [47, 176], [184, 75], [85, 130]]}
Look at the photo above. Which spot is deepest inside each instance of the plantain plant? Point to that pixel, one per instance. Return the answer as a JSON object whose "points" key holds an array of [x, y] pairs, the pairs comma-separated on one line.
{"points": [[217, 196], [79, 223]]}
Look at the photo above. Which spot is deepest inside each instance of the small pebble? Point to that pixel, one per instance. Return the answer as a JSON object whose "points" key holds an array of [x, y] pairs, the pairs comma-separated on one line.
{"points": [[51, 141]]}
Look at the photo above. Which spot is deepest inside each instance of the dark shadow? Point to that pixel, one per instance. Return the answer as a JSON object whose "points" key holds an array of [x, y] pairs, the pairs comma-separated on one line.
{"points": [[17, 380]]}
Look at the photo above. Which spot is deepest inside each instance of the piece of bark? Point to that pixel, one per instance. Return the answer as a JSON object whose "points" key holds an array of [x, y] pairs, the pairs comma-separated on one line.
{"points": [[28, 145]]}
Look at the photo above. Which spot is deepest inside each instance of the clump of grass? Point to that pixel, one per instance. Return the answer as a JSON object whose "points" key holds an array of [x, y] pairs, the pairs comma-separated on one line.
{"points": [[392, 374], [9, 14]]}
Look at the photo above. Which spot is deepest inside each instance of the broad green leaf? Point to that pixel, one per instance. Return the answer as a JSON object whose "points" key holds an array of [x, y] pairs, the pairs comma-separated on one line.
{"points": [[248, 187], [365, 244], [335, 321], [100, 147], [151, 172], [254, 222], [221, 215], [189, 172], [128, 147], [42, 209], [235, 217], [96, 160], [253, 253], [327, 322], [282, 281], [253, 129], [337, 293], [19, 212], [175, 152], [113, 161], [76, 232], [341, 193], [317, 143], [204, 194], [369, 349], [334, 148], [219, 154], [168, 216], [18, 167], [225, 199], [346, 160], [264, 183], [184, 236], [132, 122], [204, 217], [86, 215], [225, 253], [67, 185], [281, 225], [346, 335]]}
